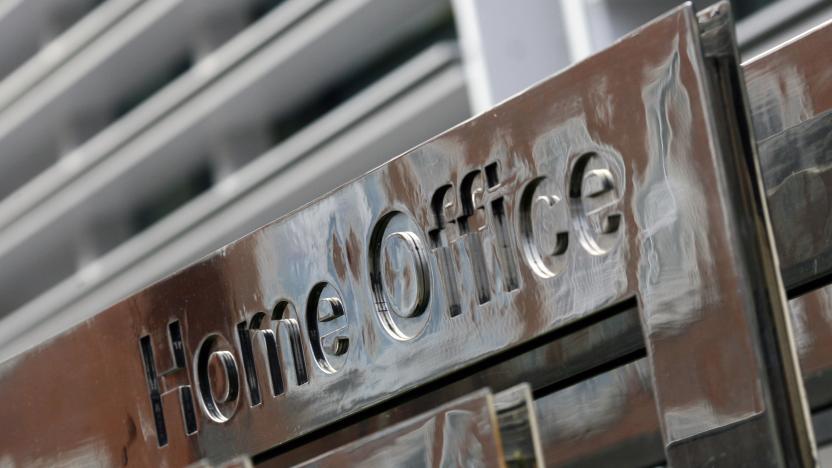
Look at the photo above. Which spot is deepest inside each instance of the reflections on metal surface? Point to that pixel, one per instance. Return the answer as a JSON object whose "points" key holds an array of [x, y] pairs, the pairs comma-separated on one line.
{"points": [[790, 90], [602, 341], [627, 176], [611, 418], [608, 419], [237, 462], [479, 429], [519, 432]]}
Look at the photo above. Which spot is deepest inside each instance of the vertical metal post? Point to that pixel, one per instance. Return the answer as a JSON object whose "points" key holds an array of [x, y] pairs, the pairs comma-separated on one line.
{"points": [[737, 395]]}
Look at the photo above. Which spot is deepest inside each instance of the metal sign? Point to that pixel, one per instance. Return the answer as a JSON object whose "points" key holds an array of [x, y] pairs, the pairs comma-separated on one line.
{"points": [[791, 102], [627, 180]]}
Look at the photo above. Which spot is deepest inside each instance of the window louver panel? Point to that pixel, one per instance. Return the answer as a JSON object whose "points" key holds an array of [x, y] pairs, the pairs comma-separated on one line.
{"points": [[198, 144]]}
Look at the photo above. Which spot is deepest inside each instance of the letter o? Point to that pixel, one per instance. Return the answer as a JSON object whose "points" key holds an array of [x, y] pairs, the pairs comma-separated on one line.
{"points": [[217, 377]]}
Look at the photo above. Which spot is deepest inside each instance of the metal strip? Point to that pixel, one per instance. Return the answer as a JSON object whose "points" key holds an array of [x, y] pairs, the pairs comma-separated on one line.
{"points": [[25, 25], [612, 417], [752, 232], [463, 432], [479, 429], [63, 48], [595, 403], [585, 191]]}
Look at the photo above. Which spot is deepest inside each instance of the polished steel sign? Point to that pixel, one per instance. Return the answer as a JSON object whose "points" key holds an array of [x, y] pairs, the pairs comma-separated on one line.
{"points": [[467, 253], [791, 102], [628, 180]]}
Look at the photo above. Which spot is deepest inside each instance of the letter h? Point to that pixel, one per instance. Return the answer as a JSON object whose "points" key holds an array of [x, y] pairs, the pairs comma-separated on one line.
{"points": [[161, 398]]}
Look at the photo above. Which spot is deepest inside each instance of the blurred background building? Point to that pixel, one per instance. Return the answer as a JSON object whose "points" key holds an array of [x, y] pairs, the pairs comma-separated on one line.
{"points": [[138, 135]]}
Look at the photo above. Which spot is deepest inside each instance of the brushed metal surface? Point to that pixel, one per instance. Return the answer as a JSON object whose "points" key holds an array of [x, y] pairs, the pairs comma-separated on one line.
{"points": [[628, 177]]}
